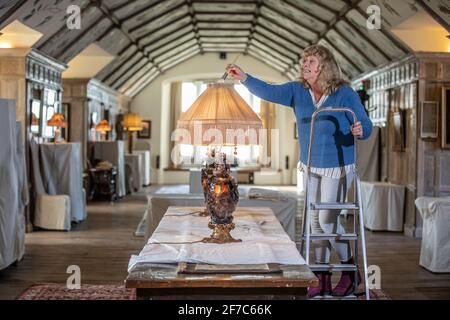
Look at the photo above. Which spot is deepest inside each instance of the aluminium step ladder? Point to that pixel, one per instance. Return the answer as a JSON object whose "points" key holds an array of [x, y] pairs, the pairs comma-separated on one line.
{"points": [[358, 220]]}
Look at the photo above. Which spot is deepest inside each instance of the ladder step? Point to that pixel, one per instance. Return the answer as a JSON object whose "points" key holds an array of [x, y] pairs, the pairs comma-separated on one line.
{"points": [[333, 236], [332, 267], [334, 206]]}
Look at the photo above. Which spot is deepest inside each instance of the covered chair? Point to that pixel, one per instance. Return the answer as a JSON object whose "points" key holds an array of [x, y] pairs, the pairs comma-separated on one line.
{"points": [[51, 212], [435, 249]]}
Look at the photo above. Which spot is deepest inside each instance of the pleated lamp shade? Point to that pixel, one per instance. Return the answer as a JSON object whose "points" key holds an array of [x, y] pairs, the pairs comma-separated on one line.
{"points": [[219, 107], [103, 126], [57, 120], [132, 122]]}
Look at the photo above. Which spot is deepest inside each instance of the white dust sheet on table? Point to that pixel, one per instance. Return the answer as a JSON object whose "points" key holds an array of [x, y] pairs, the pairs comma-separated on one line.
{"points": [[263, 240]]}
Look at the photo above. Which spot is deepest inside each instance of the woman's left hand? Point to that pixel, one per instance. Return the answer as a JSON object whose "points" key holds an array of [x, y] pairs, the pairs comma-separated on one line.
{"points": [[357, 130]]}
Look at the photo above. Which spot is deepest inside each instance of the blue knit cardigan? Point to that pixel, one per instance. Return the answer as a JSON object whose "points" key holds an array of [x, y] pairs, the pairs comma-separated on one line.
{"points": [[333, 144]]}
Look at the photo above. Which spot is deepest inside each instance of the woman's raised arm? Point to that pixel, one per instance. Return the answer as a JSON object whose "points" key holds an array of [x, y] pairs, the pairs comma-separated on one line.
{"points": [[277, 93]]}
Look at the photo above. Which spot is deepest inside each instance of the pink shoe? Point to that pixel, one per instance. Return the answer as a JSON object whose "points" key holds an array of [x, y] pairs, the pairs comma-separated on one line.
{"points": [[324, 287], [346, 284]]}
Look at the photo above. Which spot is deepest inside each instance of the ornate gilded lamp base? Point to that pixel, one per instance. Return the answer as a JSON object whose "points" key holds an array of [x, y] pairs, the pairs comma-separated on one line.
{"points": [[221, 233], [204, 213]]}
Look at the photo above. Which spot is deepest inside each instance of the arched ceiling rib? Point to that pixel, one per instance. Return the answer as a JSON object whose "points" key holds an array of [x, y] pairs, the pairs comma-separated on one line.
{"points": [[151, 36]]}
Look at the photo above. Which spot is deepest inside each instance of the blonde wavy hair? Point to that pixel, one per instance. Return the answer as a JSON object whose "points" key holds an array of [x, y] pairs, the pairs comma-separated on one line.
{"points": [[330, 77]]}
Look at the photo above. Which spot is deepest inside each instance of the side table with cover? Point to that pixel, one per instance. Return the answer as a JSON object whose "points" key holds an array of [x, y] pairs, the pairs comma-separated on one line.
{"points": [[134, 160], [145, 165], [383, 205]]}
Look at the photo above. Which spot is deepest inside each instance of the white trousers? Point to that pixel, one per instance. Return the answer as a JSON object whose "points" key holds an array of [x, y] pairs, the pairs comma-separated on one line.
{"points": [[325, 189]]}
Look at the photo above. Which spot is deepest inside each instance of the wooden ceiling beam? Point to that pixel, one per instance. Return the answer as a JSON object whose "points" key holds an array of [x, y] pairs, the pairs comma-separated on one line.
{"points": [[270, 55], [183, 34], [285, 17], [365, 38], [360, 52], [331, 26], [167, 31], [310, 13], [178, 58], [137, 13], [262, 59], [274, 44], [162, 27], [386, 33], [253, 24], [437, 17], [277, 35], [268, 48], [277, 23], [194, 23], [123, 5], [171, 46], [144, 23], [64, 27], [107, 13], [11, 11]]}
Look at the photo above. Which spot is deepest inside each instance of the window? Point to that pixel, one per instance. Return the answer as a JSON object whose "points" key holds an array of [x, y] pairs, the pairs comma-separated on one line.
{"points": [[195, 155], [189, 92]]}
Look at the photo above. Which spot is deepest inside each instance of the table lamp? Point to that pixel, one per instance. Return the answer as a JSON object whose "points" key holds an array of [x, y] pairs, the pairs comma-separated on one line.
{"points": [[34, 120], [103, 127], [58, 121], [132, 122], [221, 108]]}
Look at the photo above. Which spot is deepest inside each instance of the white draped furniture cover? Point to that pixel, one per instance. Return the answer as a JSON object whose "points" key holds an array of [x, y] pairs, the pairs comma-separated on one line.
{"points": [[13, 186], [383, 205], [263, 240], [62, 174], [195, 180], [135, 162], [51, 212], [284, 208], [145, 164], [435, 250]]}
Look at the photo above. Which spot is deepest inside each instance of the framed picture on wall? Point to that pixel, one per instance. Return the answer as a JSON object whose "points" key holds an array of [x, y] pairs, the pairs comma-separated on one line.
{"points": [[446, 117], [429, 115], [146, 132]]}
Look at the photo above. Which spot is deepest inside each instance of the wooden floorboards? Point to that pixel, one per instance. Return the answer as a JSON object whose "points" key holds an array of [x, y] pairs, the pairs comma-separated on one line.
{"points": [[102, 245]]}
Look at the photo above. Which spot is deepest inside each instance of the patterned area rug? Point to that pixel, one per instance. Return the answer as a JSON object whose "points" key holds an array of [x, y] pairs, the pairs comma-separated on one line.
{"points": [[378, 294], [86, 292], [111, 292]]}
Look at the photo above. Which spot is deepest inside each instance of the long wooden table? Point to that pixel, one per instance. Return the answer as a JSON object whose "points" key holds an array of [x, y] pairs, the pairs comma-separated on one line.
{"points": [[163, 281]]}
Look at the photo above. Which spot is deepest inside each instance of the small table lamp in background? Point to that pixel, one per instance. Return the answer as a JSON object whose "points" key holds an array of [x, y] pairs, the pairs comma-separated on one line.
{"points": [[132, 122], [103, 127], [58, 121]]}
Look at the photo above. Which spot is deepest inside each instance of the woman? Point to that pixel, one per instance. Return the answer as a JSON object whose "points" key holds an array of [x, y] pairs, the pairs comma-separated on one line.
{"points": [[332, 159]]}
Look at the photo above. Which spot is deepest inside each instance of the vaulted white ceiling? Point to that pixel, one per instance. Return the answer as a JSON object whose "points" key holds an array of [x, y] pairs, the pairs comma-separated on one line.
{"points": [[148, 37]]}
